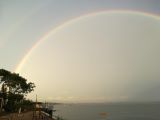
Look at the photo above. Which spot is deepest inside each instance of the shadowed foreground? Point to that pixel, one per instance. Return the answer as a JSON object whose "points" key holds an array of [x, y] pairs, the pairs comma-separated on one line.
{"points": [[26, 116]]}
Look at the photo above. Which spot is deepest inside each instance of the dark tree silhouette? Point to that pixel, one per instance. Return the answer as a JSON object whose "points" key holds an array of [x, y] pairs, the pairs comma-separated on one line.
{"points": [[14, 88], [15, 83]]}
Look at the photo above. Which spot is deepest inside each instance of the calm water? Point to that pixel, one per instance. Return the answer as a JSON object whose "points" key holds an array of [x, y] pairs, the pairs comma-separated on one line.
{"points": [[117, 111]]}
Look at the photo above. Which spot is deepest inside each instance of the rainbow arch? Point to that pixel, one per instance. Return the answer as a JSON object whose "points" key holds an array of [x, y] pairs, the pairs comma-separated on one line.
{"points": [[54, 30]]}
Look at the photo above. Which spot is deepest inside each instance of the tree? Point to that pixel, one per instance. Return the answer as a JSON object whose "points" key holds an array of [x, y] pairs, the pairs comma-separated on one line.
{"points": [[15, 83], [14, 87]]}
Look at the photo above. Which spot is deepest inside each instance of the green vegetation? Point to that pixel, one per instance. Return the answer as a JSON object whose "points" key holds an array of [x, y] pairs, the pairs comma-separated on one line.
{"points": [[14, 88]]}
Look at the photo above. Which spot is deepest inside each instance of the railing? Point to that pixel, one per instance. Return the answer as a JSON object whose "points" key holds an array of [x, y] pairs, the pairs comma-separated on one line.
{"points": [[48, 111]]}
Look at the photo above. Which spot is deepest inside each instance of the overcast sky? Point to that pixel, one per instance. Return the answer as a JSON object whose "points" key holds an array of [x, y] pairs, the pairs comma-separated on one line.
{"points": [[90, 54]]}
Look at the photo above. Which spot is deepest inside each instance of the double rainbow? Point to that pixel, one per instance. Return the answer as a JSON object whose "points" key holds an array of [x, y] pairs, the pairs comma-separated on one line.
{"points": [[54, 30]]}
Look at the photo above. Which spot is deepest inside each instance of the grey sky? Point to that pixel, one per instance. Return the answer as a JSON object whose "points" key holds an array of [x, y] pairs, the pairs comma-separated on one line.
{"points": [[24, 22], [22, 19]]}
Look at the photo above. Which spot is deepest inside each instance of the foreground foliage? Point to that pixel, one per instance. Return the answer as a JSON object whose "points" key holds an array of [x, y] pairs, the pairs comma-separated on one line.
{"points": [[13, 90]]}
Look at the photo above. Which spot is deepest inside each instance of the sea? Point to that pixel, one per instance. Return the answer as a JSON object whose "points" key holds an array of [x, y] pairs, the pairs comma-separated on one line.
{"points": [[108, 111]]}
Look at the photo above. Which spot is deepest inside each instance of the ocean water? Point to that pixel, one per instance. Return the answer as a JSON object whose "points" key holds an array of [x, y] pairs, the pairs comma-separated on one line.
{"points": [[114, 111]]}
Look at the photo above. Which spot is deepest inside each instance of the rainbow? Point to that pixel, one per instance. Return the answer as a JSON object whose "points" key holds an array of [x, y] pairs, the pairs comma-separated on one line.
{"points": [[54, 30]]}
